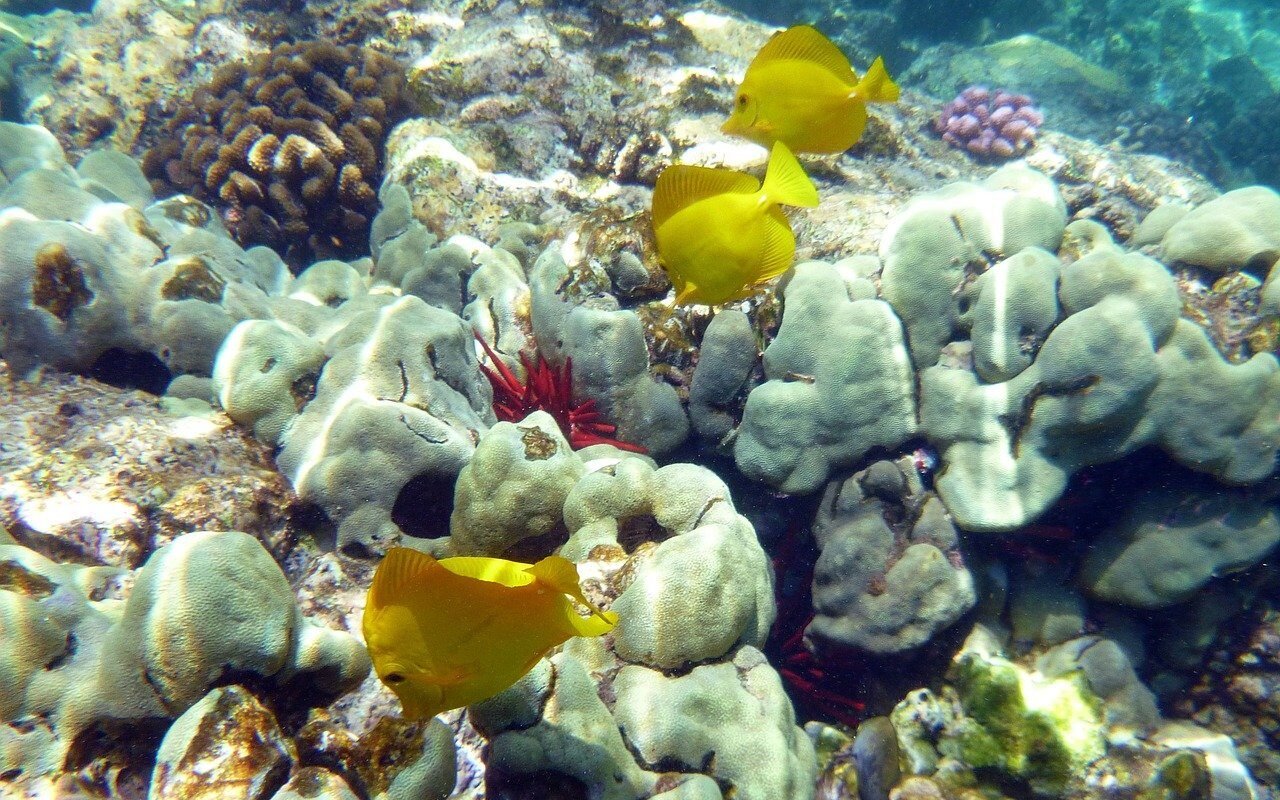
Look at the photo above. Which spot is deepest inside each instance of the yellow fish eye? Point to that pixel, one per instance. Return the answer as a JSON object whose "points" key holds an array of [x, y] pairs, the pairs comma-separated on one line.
{"points": [[394, 677], [742, 101]]}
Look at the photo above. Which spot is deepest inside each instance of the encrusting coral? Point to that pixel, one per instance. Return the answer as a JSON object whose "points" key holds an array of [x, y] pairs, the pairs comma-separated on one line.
{"points": [[289, 146]]}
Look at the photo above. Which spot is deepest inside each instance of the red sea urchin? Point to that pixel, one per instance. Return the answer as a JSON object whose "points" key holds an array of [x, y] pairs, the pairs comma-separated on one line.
{"points": [[548, 389], [820, 687]]}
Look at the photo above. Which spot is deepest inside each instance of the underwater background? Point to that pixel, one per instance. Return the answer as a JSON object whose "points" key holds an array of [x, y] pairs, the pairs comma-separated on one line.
{"points": [[959, 483]]}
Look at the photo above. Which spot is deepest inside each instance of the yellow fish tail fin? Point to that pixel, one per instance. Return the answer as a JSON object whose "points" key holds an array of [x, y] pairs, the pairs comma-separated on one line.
{"points": [[785, 181], [806, 43], [876, 86], [561, 574]]}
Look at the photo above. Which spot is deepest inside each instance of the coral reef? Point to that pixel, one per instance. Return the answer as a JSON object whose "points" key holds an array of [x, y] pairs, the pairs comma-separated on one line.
{"points": [[839, 350], [1035, 406], [94, 646], [289, 146], [989, 122], [89, 265], [693, 592]]}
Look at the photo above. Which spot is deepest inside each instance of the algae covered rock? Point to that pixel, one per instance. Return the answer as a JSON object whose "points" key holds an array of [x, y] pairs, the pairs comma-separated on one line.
{"points": [[733, 716], [263, 375], [679, 685], [1000, 726], [89, 264], [398, 399], [235, 741], [930, 248], [658, 730], [1119, 372], [1039, 731], [839, 383]]}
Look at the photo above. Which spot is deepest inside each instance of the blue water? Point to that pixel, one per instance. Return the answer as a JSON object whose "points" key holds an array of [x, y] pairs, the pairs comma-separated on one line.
{"points": [[1204, 76]]}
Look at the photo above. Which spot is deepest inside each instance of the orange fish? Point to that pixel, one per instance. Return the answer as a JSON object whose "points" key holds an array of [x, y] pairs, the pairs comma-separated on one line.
{"points": [[801, 90], [445, 634]]}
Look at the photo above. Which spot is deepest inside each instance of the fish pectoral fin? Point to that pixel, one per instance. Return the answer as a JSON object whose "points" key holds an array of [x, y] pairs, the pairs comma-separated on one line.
{"points": [[876, 86], [688, 294], [779, 246], [806, 43], [681, 185]]}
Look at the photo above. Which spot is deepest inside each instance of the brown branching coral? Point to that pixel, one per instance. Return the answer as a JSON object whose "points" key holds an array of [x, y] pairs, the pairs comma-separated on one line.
{"points": [[289, 146]]}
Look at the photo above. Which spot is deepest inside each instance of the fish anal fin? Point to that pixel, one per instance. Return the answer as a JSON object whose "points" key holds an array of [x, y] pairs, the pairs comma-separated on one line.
{"points": [[806, 43], [681, 185], [786, 182], [402, 569], [876, 86], [779, 246]]}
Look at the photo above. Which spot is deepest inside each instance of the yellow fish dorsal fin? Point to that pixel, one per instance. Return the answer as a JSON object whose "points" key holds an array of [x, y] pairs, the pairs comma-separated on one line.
{"points": [[562, 575], [785, 181], [806, 43], [876, 86], [492, 570], [682, 185], [402, 569]]}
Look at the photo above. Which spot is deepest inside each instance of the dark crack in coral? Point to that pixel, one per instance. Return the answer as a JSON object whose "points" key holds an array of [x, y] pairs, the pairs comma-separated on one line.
{"points": [[289, 147]]}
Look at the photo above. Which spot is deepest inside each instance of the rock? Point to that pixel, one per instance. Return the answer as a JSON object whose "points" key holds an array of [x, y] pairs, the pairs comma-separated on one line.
{"points": [[226, 746]]}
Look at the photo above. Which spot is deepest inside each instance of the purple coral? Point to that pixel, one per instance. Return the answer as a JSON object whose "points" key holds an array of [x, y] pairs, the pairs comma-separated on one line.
{"points": [[996, 124]]}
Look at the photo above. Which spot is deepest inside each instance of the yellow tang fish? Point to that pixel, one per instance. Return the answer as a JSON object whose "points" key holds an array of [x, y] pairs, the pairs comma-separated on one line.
{"points": [[446, 634], [801, 90], [720, 233]]}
